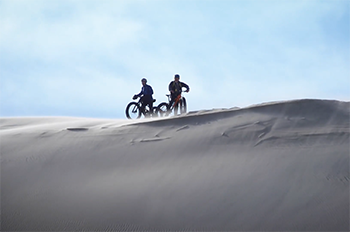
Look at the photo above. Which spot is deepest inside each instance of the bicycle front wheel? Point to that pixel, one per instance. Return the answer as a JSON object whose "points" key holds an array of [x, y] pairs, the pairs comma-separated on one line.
{"points": [[163, 109], [183, 106], [133, 111]]}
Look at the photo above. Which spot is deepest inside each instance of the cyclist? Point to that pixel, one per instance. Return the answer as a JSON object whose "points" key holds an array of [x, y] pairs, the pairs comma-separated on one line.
{"points": [[175, 88], [146, 96]]}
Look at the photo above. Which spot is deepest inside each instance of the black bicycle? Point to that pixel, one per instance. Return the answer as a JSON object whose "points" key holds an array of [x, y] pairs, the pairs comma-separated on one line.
{"points": [[133, 110], [165, 109]]}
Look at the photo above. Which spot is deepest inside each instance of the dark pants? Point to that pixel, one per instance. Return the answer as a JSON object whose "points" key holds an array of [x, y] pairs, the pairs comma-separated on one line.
{"points": [[172, 100], [147, 100]]}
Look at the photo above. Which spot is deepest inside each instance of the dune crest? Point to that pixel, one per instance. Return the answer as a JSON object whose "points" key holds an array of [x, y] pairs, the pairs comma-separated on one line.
{"points": [[273, 166]]}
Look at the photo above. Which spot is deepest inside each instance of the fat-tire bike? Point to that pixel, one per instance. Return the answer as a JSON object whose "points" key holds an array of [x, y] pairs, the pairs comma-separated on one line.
{"points": [[133, 110], [165, 109]]}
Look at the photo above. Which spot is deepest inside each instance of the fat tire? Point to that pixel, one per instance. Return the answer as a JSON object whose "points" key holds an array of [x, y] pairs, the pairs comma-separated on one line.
{"points": [[160, 111], [130, 107], [183, 106]]}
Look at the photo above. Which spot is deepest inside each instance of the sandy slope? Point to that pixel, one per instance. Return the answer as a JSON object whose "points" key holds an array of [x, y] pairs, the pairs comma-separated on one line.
{"points": [[277, 166]]}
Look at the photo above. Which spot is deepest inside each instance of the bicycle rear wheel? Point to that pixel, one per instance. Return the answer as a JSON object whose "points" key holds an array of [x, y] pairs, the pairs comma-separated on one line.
{"points": [[133, 111]]}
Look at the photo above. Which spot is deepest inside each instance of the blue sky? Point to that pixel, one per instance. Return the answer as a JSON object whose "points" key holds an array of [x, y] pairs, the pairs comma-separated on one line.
{"points": [[86, 58]]}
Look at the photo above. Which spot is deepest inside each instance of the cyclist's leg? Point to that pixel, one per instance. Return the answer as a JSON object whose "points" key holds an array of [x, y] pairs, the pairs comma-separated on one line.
{"points": [[143, 104], [173, 97], [176, 107], [147, 101], [151, 106]]}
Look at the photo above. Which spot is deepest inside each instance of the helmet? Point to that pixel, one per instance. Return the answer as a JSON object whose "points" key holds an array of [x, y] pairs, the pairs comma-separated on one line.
{"points": [[176, 76], [144, 79]]}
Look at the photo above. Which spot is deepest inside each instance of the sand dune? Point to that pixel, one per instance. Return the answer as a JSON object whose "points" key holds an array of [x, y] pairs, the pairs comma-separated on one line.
{"points": [[275, 166]]}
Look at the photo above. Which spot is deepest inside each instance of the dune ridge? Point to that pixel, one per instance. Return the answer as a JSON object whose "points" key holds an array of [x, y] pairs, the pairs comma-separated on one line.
{"points": [[273, 166]]}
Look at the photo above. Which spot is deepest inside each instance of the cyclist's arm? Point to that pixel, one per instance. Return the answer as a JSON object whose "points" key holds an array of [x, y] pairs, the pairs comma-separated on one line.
{"points": [[139, 95], [186, 86]]}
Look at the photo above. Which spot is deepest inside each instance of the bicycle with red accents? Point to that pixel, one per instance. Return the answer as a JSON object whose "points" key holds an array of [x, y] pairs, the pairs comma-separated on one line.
{"points": [[165, 109]]}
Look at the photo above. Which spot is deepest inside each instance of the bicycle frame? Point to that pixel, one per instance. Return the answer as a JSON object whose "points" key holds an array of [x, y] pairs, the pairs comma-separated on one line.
{"points": [[177, 100]]}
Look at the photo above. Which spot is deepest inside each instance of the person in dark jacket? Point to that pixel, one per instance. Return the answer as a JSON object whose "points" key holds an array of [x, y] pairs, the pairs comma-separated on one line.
{"points": [[175, 88], [146, 95]]}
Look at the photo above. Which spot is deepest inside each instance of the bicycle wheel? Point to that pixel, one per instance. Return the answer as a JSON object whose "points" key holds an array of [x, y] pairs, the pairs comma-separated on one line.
{"points": [[183, 106], [133, 111], [163, 109]]}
